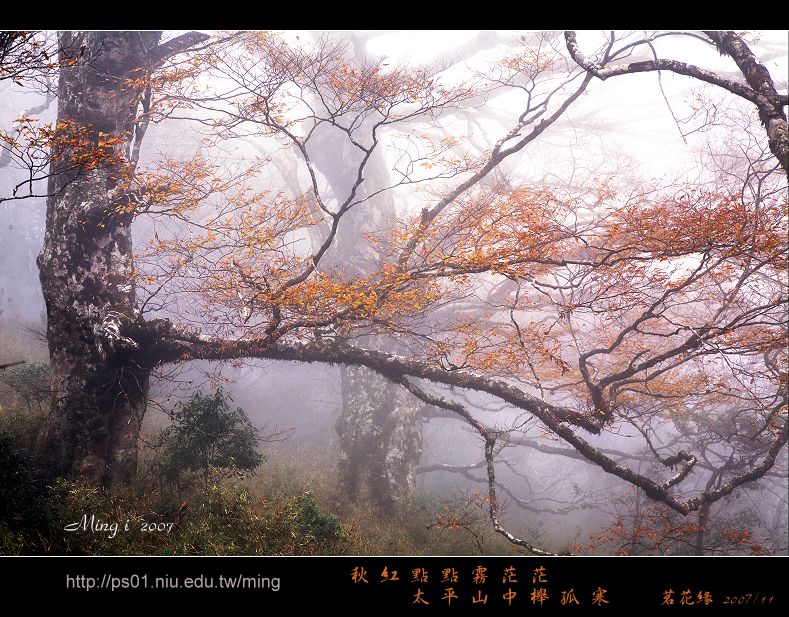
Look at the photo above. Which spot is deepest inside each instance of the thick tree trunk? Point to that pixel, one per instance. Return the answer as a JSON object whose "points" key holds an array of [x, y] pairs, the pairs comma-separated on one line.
{"points": [[100, 372]]}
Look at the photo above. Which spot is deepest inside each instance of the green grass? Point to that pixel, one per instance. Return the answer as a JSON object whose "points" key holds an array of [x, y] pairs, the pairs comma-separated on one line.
{"points": [[286, 509], [291, 506]]}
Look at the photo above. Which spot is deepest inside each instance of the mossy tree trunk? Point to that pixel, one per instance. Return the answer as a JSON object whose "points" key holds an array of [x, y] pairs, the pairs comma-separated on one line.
{"points": [[380, 432], [101, 351]]}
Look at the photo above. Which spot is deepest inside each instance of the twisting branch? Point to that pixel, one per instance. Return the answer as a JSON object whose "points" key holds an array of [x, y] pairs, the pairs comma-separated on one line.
{"points": [[461, 469], [466, 472], [489, 436], [178, 346], [760, 89], [178, 45], [494, 517], [670, 461], [758, 77]]}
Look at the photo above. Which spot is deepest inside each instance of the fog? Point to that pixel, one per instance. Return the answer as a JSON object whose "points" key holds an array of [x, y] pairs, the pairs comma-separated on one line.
{"points": [[635, 135]]}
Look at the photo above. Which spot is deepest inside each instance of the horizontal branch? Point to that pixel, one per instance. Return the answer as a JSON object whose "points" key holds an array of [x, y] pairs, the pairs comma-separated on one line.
{"points": [[178, 45], [10, 364], [182, 346], [659, 64]]}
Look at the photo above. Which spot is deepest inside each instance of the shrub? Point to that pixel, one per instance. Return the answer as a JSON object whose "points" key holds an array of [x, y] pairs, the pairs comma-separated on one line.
{"points": [[209, 438], [23, 512], [30, 383], [313, 523]]}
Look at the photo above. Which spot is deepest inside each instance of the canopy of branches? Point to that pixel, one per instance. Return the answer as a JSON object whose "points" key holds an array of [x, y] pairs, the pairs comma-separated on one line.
{"points": [[480, 216]]}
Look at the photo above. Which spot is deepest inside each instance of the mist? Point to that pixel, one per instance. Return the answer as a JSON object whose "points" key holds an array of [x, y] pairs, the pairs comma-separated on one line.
{"points": [[540, 326]]}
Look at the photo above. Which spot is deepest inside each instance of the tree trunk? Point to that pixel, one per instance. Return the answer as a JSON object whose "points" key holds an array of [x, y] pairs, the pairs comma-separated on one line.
{"points": [[380, 432], [701, 534], [100, 377], [380, 426]]}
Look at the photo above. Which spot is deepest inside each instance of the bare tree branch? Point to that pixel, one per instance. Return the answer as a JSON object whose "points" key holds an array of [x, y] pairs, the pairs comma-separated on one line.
{"points": [[556, 418], [178, 45], [10, 364], [760, 89]]}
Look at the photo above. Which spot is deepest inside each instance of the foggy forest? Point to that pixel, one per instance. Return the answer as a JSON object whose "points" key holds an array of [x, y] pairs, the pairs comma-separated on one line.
{"points": [[393, 293]]}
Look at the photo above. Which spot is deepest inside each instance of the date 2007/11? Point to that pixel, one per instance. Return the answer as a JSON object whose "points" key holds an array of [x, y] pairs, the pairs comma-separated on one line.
{"points": [[756, 599]]}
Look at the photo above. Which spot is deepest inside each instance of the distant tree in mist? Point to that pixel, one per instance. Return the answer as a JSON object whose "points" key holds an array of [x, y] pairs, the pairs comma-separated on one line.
{"points": [[656, 311]]}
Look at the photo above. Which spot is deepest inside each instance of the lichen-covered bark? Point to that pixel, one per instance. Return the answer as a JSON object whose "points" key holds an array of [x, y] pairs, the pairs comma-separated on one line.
{"points": [[380, 433], [771, 111], [179, 345], [760, 89], [100, 372]]}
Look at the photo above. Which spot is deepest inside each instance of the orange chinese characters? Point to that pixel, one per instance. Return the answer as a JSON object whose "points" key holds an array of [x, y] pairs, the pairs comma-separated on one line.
{"points": [[705, 597], [480, 598], [598, 597], [418, 599], [509, 575], [479, 575], [449, 575], [388, 575], [668, 597], [569, 597], [538, 594], [358, 574], [509, 596], [419, 575], [449, 595], [686, 598]]}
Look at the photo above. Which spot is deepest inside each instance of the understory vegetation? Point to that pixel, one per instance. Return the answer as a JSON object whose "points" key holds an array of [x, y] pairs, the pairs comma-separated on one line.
{"points": [[188, 501], [204, 488], [495, 292]]}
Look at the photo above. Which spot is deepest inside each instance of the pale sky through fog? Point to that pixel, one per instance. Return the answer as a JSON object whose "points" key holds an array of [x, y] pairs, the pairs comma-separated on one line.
{"points": [[632, 105], [629, 109], [295, 194]]}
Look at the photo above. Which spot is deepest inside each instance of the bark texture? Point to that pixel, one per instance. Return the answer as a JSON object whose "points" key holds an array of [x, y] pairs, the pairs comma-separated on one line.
{"points": [[757, 76], [101, 351], [759, 88], [100, 377], [380, 432]]}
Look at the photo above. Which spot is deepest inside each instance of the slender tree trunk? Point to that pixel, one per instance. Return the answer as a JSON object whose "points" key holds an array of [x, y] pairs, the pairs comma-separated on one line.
{"points": [[704, 516], [701, 534], [100, 369]]}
